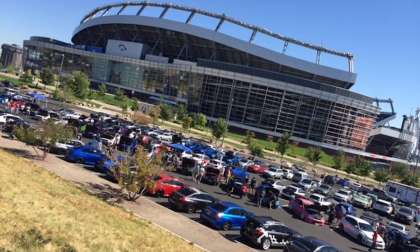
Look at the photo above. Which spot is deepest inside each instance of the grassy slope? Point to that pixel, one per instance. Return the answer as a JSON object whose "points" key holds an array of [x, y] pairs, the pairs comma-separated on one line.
{"points": [[66, 217]]}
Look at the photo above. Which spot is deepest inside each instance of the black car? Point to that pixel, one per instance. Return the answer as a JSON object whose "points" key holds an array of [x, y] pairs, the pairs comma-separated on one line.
{"points": [[190, 199], [309, 244], [405, 215], [266, 233], [329, 180]]}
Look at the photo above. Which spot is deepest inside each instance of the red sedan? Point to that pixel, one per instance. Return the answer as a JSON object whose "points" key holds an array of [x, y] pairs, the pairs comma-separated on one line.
{"points": [[165, 185], [304, 209], [257, 167]]}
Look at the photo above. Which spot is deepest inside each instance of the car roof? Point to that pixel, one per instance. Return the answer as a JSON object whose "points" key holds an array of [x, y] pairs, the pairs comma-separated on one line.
{"points": [[396, 224], [315, 241], [306, 201], [358, 219], [318, 195], [384, 201], [229, 204]]}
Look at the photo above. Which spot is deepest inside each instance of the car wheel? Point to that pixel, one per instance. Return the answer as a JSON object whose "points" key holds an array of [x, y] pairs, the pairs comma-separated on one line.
{"points": [[341, 227], [360, 239], [80, 161], [190, 209], [159, 194], [302, 216], [265, 244], [226, 226]]}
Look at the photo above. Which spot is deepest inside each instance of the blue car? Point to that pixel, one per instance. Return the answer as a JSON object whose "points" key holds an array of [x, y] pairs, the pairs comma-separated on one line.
{"points": [[343, 209], [86, 155], [225, 215]]}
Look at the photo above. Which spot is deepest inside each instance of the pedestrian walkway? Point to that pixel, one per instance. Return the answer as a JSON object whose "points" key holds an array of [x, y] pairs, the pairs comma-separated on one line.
{"points": [[200, 235]]}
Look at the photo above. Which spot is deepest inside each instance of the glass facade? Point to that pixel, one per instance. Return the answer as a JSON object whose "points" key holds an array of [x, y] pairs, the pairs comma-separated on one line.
{"points": [[262, 105]]}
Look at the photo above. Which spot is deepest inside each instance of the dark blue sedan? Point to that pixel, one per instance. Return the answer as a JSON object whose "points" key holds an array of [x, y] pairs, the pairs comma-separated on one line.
{"points": [[86, 155], [225, 215]]}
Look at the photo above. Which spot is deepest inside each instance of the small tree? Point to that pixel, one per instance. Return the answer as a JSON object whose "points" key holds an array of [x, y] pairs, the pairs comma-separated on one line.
{"points": [[399, 170], [186, 123], [219, 129], [361, 166], [11, 69], [134, 105], [51, 133], [80, 85], [27, 135], [411, 180], [166, 112], [313, 155], [248, 137], [381, 176], [47, 77], [27, 77], [339, 160], [283, 144], [200, 120], [119, 95], [155, 114], [102, 89], [181, 112], [256, 150], [134, 175], [349, 169], [270, 141]]}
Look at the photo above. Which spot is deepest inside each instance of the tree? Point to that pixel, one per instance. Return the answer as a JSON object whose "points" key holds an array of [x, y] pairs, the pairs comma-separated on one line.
{"points": [[80, 85], [46, 135], [11, 69], [186, 123], [361, 166], [283, 144], [200, 120], [47, 77], [134, 105], [350, 169], [339, 160], [155, 114], [102, 89], [270, 141], [399, 170], [248, 137], [313, 155], [119, 95], [219, 129], [256, 150], [381, 176], [166, 112], [411, 180], [181, 112], [27, 77], [134, 175]]}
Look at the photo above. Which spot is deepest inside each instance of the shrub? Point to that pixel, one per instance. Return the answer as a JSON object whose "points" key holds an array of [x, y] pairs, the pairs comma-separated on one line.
{"points": [[31, 239], [256, 150], [381, 176]]}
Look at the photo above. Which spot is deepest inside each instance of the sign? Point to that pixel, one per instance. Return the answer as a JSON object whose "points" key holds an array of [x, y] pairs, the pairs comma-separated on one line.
{"points": [[124, 48]]}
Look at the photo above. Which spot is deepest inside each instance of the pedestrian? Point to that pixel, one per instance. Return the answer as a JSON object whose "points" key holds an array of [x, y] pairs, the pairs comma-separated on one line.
{"points": [[261, 197], [201, 172], [252, 185], [374, 239]]}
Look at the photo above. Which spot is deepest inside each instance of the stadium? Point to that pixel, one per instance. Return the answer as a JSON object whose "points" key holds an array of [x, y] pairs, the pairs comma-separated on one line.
{"points": [[252, 87]]}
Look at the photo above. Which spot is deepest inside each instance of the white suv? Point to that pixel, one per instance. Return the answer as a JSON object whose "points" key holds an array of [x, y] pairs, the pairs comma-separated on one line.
{"points": [[383, 207], [343, 195], [361, 230]]}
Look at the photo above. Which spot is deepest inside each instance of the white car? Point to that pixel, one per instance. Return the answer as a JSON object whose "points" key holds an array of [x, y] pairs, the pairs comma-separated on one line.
{"points": [[397, 226], [287, 174], [274, 172], [291, 191], [165, 137], [343, 195], [383, 207], [361, 230], [218, 164], [69, 114], [245, 162], [279, 185], [320, 200], [63, 147], [308, 184], [4, 118], [355, 186]]}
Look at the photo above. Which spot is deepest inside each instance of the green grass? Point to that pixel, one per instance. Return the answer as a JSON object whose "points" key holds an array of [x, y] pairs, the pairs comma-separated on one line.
{"points": [[111, 100], [15, 81]]}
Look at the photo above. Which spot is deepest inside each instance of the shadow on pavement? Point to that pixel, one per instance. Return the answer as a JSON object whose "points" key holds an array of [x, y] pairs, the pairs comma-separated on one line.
{"points": [[22, 153], [105, 192]]}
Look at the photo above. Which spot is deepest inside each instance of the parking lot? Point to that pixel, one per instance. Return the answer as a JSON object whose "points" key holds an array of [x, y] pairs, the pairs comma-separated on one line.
{"points": [[326, 233]]}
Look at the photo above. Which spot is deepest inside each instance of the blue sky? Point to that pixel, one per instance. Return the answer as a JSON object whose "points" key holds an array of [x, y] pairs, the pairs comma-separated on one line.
{"points": [[383, 35]]}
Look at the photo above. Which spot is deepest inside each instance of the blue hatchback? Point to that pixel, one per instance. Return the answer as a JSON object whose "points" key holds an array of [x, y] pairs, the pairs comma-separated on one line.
{"points": [[86, 155], [225, 215]]}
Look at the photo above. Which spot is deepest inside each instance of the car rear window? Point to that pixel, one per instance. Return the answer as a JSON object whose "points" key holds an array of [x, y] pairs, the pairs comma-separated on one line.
{"points": [[406, 210], [219, 207], [383, 203]]}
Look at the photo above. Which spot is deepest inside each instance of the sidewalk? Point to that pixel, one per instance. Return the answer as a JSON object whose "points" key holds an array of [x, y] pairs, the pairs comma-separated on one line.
{"points": [[202, 236]]}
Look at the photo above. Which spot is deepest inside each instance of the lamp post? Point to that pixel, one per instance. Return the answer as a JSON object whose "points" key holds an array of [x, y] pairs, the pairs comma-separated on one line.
{"points": [[61, 69]]}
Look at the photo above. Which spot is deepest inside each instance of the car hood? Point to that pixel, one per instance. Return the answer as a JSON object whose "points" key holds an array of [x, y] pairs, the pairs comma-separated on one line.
{"points": [[341, 195], [370, 235]]}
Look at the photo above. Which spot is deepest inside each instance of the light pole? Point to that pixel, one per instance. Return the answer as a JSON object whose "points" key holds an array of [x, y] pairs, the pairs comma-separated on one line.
{"points": [[61, 69]]}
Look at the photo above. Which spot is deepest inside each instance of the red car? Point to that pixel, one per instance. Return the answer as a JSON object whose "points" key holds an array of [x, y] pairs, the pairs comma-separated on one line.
{"points": [[165, 185], [257, 167], [305, 210]]}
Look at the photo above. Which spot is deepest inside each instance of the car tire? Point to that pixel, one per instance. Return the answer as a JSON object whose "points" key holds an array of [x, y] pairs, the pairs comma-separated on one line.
{"points": [[190, 209], [80, 161], [159, 194], [341, 228], [360, 240], [302, 216], [265, 244], [226, 226]]}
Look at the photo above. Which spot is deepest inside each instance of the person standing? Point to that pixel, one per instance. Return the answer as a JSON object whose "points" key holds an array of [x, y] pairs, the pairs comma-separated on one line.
{"points": [[375, 237], [252, 186]]}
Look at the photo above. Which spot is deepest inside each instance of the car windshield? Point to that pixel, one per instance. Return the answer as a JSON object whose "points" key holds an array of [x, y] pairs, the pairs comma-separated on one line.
{"points": [[186, 191], [365, 227], [396, 226], [343, 192], [324, 187], [406, 210], [290, 189], [312, 211], [314, 197], [306, 181], [219, 207], [273, 169]]}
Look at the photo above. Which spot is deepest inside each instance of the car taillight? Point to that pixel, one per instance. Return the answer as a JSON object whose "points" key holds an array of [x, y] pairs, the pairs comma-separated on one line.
{"points": [[219, 215], [259, 231], [185, 199]]}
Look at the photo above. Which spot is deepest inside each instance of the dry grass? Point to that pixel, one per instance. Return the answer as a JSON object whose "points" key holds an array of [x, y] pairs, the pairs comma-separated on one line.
{"points": [[42, 212]]}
